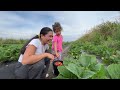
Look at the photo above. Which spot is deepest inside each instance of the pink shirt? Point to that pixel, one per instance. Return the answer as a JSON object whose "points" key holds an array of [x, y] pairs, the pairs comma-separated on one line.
{"points": [[59, 40]]}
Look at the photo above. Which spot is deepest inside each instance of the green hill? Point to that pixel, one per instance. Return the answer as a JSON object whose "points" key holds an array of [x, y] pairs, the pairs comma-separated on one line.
{"points": [[103, 41]]}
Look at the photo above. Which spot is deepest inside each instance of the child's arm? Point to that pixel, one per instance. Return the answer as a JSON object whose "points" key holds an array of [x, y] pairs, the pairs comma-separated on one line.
{"points": [[55, 48]]}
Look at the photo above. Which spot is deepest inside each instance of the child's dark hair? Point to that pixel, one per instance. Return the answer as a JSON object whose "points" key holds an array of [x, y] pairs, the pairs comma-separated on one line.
{"points": [[43, 31], [56, 25]]}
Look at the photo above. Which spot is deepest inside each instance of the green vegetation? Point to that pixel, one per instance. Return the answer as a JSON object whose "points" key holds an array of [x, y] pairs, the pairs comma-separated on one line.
{"points": [[12, 41], [101, 43], [87, 67], [9, 52], [10, 49]]}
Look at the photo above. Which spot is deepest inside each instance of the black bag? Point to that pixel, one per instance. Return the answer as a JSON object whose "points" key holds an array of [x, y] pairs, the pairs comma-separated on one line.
{"points": [[56, 72]]}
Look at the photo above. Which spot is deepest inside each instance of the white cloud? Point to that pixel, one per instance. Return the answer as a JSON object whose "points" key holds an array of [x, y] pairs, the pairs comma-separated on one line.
{"points": [[75, 23], [79, 22]]}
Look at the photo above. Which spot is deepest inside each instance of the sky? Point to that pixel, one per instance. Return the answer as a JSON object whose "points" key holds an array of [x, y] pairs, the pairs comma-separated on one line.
{"points": [[26, 24]]}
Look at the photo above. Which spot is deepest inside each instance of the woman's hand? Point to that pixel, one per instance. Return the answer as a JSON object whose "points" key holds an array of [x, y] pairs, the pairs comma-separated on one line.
{"points": [[50, 56]]}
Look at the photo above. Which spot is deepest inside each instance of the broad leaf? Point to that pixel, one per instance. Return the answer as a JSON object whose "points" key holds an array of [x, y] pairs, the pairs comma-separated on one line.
{"points": [[86, 60], [65, 73], [87, 74], [101, 72], [114, 71], [60, 77], [77, 70]]}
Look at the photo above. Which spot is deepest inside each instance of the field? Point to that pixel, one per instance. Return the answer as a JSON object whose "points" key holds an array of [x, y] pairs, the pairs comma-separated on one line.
{"points": [[10, 49], [96, 55]]}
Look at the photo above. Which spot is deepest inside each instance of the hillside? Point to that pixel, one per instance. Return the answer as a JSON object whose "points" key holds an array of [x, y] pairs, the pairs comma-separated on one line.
{"points": [[96, 55]]}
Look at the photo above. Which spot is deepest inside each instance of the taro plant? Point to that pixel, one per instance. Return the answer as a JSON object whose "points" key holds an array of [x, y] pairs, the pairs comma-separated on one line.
{"points": [[86, 67], [114, 71]]}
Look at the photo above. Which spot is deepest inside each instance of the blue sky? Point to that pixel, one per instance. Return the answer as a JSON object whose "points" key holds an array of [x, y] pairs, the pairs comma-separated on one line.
{"points": [[25, 24]]}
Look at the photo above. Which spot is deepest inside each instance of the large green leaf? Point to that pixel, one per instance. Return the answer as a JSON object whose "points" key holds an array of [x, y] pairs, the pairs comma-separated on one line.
{"points": [[65, 73], [93, 59], [101, 72], [60, 77], [87, 74], [118, 52], [95, 67], [68, 60], [77, 70], [86, 60], [114, 71]]}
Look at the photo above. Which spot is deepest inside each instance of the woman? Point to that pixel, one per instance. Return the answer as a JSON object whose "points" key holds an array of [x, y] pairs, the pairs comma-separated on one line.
{"points": [[33, 62]]}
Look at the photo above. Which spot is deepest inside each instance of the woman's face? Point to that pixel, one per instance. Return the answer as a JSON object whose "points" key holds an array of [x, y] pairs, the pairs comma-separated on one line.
{"points": [[48, 37]]}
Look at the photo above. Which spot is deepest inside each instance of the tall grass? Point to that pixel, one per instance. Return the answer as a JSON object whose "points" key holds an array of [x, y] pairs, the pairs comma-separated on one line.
{"points": [[106, 33], [12, 41]]}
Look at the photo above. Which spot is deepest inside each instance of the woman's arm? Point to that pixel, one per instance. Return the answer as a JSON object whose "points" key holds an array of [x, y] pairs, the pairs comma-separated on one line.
{"points": [[30, 57]]}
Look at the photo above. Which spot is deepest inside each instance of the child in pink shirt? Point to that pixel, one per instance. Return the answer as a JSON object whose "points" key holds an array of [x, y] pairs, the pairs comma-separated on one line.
{"points": [[57, 40], [57, 43]]}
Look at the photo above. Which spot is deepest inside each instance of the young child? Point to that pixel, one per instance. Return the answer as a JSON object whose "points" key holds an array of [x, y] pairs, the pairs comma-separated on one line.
{"points": [[57, 45]]}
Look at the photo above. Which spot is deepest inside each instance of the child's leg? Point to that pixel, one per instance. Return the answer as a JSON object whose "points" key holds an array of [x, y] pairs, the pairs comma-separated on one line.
{"points": [[60, 57], [56, 72]]}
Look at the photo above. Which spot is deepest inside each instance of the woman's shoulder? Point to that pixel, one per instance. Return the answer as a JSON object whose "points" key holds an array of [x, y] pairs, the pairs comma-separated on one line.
{"points": [[35, 42]]}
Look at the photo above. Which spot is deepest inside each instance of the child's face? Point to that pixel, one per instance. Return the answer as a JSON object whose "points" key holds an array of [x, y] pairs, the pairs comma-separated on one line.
{"points": [[57, 31]]}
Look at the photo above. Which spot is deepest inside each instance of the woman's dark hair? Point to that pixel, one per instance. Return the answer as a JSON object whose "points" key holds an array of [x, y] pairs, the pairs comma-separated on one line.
{"points": [[56, 25], [43, 31]]}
